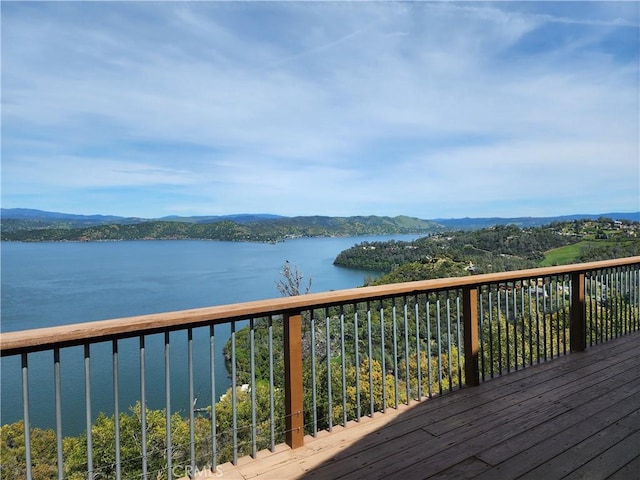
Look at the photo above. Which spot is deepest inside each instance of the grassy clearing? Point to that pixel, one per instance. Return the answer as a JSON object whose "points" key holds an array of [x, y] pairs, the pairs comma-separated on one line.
{"points": [[571, 253], [563, 255]]}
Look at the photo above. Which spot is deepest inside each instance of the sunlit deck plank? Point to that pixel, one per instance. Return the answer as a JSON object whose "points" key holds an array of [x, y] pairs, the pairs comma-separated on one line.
{"points": [[574, 415]]}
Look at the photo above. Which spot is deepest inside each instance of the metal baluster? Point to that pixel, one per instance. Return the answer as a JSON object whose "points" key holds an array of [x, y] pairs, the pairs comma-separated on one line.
{"points": [[615, 311], [608, 305], [214, 434], [562, 319], [544, 319], [559, 290], [566, 308], [252, 355], [58, 395], [530, 322], [619, 302], [87, 402], [490, 306], [636, 293], [143, 410], [624, 273], [418, 359], [499, 322], [634, 298], [439, 337], [522, 327], [429, 369], [538, 322], [383, 360], [356, 341], [515, 325], [234, 394], [622, 295], [550, 317], [559, 321], [604, 305], [563, 308], [25, 414], [506, 336], [342, 362], [481, 332], [612, 304], [167, 396], [594, 309], [370, 354], [116, 407], [559, 313], [313, 374], [629, 297], [192, 417], [448, 305], [636, 302], [329, 393], [622, 300], [588, 291], [598, 308], [506, 326], [459, 340], [406, 349], [394, 331], [272, 415], [632, 288], [602, 309]]}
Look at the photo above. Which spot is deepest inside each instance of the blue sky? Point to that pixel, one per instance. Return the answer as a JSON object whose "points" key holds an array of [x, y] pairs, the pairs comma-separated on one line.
{"points": [[343, 108]]}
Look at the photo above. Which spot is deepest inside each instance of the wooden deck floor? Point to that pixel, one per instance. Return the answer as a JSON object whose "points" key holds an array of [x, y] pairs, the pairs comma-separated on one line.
{"points": [[576, 417]]}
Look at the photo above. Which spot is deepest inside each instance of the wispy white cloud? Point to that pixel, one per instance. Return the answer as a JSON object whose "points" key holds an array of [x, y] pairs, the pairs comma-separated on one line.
{"points": [[341, 108]]}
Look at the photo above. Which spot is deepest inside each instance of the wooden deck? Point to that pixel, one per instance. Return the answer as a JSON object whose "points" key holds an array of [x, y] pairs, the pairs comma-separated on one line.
{"points": [[576, 417]]}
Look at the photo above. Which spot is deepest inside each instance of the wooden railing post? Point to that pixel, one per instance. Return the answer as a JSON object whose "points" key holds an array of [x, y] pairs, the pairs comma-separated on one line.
{"points": [[471, 344], [578, 320], [293, 385]]}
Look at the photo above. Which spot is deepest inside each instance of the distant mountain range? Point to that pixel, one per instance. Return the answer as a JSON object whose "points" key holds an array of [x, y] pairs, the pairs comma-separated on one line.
{"points": [[20, 224], [44, 216]]}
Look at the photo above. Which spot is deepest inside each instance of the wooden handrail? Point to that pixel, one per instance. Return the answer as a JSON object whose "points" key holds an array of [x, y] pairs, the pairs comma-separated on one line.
{"points": [[12, 343]]}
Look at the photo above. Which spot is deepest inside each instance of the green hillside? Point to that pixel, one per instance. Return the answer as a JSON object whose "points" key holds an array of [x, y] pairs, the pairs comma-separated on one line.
{"points": [[262, 230], [495, 249]]}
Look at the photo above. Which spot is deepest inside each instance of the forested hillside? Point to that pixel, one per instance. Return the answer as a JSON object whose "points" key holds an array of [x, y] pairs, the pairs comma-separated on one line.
{"points": [[495, 249], [260, 230]]}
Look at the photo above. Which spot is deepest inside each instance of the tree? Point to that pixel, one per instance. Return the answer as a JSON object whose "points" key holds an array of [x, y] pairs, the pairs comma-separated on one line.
{"points": [[290, 285], [13, 457]]}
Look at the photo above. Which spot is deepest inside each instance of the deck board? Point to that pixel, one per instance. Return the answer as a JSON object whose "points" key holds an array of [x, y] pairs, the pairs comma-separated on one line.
{"points": [[575, 417]]}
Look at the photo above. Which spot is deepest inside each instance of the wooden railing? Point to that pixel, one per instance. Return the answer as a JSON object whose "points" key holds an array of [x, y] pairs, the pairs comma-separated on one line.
{"points": [[492, 324]]}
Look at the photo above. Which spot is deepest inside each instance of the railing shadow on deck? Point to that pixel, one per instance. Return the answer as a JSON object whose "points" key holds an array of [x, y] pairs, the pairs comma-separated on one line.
{"points": [[535, 422], [329, 358]]}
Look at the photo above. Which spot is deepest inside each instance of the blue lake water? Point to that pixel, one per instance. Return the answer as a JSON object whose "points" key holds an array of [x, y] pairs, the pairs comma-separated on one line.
{"points": [[46, 284]]}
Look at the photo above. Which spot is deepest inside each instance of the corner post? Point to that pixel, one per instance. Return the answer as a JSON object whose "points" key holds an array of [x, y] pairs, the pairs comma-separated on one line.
{"points": [[293, 385], [578, 320], [471, 344]]}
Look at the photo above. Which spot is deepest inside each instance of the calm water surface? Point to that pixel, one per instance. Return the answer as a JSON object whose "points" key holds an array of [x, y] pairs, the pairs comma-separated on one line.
{"points": [[45, 284]]}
